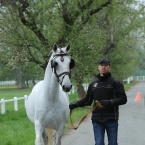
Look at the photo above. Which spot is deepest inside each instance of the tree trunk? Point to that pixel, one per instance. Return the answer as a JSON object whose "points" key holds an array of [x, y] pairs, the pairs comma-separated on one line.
{"points": [[20, 79], [27, 83], [33, 81], [81, 91]]}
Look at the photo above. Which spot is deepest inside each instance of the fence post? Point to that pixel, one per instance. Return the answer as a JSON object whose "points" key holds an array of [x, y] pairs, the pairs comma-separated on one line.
{"points": [[128, 80], [3, 106], [15, 104], [73, 89], [69, 92], [85, 87]]}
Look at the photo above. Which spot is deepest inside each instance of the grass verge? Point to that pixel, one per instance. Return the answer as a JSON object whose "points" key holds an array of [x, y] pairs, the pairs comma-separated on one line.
{"points": [[15, 127]]}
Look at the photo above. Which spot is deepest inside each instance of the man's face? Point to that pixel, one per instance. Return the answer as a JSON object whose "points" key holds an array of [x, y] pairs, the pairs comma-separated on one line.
{"points": [[103, 68]]}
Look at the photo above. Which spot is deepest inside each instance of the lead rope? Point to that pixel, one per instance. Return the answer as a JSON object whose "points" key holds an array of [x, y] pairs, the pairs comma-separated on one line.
{"points": [[83, 118], [98, 105]]}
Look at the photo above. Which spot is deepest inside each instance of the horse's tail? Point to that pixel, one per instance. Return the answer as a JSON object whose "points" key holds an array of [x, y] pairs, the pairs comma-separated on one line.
{"points": [[50, 133]]}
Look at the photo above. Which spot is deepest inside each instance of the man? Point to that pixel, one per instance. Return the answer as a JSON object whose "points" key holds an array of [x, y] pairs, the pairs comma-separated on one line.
{"points": [[110, 93]]}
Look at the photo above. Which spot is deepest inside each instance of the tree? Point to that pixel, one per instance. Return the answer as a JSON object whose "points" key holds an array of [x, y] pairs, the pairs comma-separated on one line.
{"points": [[121, 24], [94, 29], [36, 20]]}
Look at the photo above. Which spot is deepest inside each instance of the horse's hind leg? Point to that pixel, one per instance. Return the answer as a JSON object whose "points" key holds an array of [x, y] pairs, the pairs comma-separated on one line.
{"points": [[50, 133], [45, 137]]}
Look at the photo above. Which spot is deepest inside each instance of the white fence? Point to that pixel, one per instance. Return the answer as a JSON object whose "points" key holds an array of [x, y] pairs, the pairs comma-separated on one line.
{"points": [[129, 79], [139, 77], [11, 82], [73, 90], [15, 100]]}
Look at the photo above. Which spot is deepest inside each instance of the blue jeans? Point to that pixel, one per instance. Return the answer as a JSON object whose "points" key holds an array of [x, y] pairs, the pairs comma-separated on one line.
{"points": [[111, 127]]}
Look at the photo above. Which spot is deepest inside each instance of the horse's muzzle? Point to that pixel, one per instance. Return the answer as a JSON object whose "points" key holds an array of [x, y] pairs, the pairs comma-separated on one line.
{"points": [[66, 88]]}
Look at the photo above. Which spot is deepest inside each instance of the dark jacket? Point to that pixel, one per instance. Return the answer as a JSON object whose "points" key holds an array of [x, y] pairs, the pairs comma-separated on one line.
{"points": [[105, 88]]}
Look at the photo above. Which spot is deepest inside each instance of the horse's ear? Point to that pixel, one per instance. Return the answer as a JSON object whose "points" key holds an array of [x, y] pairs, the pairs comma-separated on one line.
{"points": [[68, 48], [55, 47]]}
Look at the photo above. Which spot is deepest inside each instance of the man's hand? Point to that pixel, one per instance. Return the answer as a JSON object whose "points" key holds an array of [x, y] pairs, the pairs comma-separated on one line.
{"points": [[72, 106], [105, 103]]}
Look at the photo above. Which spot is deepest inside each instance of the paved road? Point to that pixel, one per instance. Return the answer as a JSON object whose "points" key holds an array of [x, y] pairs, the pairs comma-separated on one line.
{"points": [[131, 123]]}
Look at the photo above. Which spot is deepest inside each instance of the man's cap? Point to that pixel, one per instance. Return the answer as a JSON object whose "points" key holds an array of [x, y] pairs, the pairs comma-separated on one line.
{"points": [[104, 60]]}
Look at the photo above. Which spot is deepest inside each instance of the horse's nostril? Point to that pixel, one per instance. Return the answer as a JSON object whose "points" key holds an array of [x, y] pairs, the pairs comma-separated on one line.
{"points": [[66, 89], [63, 87]]}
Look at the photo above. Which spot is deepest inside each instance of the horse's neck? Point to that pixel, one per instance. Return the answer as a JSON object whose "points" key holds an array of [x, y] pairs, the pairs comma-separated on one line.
{"points": [[51, 85]]}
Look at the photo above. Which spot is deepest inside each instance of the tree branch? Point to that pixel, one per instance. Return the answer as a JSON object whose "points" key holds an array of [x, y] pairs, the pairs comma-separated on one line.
{"points": [[84, 7], [109, 48], [100, 8], [31, 24]]}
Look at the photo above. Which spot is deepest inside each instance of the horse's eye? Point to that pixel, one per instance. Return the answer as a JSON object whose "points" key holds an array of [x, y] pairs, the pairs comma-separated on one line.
{"points": [[56, 63]]}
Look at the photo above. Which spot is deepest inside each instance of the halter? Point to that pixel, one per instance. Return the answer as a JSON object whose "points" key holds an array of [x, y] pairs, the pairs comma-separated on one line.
{"points": [[62, 54]]}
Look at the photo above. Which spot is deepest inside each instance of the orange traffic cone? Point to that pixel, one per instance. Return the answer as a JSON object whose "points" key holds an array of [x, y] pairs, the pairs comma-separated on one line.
{"points": [[138, 98]]}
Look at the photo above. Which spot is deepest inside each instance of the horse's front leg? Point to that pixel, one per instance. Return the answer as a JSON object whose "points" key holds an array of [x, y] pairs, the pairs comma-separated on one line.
{"points": [[38, 131], [58, 134]]}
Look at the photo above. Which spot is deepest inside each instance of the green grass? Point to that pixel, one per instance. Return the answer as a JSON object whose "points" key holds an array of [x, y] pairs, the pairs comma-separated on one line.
{"points": [[128, 86], [15, 127], [11, 92]]}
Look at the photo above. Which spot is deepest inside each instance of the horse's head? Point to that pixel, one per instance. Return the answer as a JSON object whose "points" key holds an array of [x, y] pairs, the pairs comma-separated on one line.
{"points": [[62, 63]]}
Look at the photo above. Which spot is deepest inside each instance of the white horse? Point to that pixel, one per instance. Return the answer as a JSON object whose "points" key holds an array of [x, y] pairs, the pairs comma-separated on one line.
{"points": [[48, 106]]}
